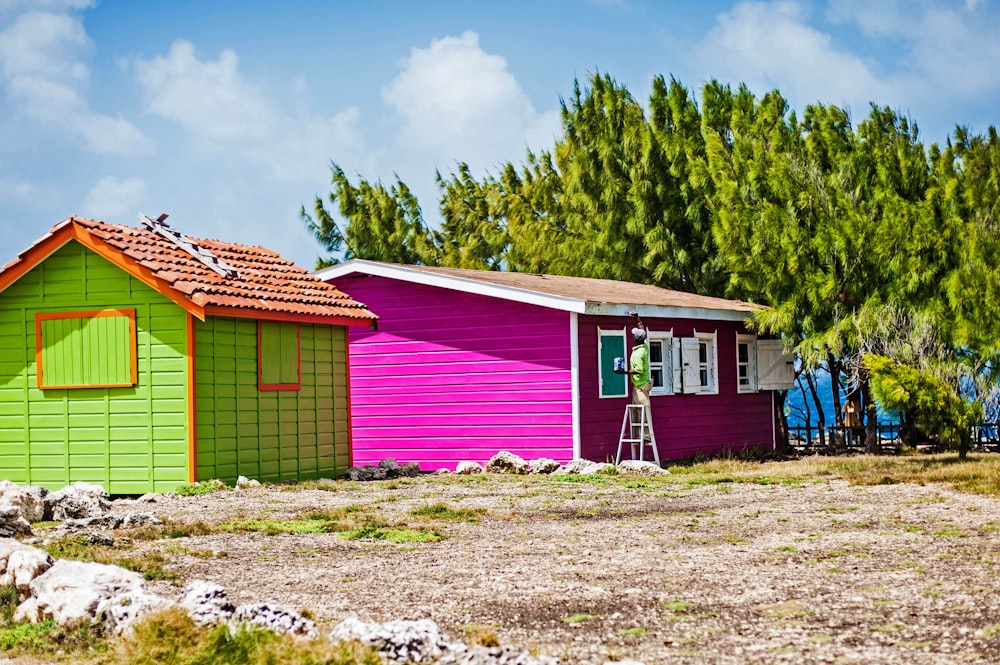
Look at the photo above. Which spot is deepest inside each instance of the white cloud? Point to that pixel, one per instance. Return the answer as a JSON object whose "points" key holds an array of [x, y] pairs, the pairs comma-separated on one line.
{"points": [[113, 197], [211, 99], [770, 45], [459, 103], [41, 60]]}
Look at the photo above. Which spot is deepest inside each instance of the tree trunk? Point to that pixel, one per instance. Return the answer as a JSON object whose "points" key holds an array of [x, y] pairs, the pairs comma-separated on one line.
{"points": [[834, 366], [820, 420], [872, 443], [781, 435]]}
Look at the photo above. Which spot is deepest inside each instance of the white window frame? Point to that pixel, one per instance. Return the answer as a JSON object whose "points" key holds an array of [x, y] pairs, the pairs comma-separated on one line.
{"points": [[666, 364], [711, 365], [750, 341], [601, 334]]}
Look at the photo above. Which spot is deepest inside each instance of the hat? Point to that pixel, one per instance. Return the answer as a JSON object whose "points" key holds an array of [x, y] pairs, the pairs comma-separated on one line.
{"points": [[638, 334]]}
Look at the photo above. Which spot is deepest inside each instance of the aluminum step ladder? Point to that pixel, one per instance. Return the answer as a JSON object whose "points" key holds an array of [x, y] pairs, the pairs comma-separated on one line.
{"points": [[637, 431]]}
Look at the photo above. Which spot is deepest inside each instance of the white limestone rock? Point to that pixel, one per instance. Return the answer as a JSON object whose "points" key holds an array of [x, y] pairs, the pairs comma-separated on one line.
{"points": [[78, 501], [20, 564], [206, 603], [544, 465], [30, 501], [507, 462], [642, 468], [577, 466], [117, 615], [70, 591], [12, 523], [468, 468], [275, 618]]}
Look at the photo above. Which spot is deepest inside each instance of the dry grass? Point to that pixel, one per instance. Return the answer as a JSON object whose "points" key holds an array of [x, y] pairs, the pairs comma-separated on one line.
{"points": [[978, 474]]}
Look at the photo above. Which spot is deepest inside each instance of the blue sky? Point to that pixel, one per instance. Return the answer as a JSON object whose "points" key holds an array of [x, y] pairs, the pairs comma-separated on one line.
{"points": [[226, 115]]}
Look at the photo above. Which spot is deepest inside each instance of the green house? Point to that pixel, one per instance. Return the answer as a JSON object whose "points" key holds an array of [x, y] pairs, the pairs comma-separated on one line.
{"points": [[141, 359]]}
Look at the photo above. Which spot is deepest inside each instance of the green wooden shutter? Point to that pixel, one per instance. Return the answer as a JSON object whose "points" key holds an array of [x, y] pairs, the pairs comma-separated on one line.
{"points": [[86, 349], [611, 345], [278, 355]]}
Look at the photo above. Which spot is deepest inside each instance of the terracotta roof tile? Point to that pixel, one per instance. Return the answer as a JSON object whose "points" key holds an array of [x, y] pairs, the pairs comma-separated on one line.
{"points": [[266, 282]]}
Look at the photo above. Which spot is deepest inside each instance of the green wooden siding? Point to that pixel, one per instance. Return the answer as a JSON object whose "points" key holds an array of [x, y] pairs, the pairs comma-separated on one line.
{"points": [[129, 440], [279, 353], [86, 351], [267, 434]]}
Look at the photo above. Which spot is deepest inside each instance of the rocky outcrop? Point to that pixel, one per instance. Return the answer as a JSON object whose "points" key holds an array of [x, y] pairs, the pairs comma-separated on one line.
{"points": [[386, 470], [207, 603], [641, 468], [422, 641], [20, 564], [544, 465], [12, 523], [506, 462], [70, 592], [77, 501], [468, 468], [29, 501], [275, 618]]}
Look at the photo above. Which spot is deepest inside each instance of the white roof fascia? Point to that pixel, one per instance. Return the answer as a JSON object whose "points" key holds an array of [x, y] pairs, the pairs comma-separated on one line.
{"points": [[666, 312], [427, 278], [406, 274]]}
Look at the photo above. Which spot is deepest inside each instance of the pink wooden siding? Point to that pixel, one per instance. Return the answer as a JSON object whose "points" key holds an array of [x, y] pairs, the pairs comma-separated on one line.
{"points": [[450, 376], [685, 425]]}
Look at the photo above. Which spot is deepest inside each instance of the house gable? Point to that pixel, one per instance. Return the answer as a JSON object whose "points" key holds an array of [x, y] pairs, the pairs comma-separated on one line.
{"points": [[104, 435]]}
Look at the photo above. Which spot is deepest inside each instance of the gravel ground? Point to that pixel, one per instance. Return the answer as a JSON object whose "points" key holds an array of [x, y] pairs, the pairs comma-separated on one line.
{"points": [[615, 569]]}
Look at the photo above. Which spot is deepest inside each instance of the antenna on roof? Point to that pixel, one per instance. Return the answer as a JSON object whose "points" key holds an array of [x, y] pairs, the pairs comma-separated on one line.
{"points": [[213, 262]]}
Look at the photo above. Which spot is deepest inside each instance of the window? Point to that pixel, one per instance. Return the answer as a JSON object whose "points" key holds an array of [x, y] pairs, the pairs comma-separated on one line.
{"points": [[660, 363], [697, 359], [94, 349], [746, 363], [611, 345], [278, 356]]}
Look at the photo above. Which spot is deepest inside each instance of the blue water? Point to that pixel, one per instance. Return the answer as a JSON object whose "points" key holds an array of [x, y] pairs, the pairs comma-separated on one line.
{"points": [[796, 398]]}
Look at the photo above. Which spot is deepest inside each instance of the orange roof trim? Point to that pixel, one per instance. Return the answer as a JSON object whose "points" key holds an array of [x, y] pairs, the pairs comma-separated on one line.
{"points": [[268, 286]]}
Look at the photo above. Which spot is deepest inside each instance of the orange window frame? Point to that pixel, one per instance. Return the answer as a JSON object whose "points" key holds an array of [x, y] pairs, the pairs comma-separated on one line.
{"points": [[88, 314], [298, 362]]}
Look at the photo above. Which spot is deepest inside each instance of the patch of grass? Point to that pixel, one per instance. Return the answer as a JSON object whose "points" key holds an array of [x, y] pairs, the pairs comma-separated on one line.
{"points": [[990, 632], [201, 487], [27, 637], [579, 618], [890, 627], [979, 473], [150, 563], [481, 635], [392, 535], [632, 632], [172, 637], [9, 600], [786, 548], [789, 609], [676, 606], [949, 531], [275, 527], [442, 511]]}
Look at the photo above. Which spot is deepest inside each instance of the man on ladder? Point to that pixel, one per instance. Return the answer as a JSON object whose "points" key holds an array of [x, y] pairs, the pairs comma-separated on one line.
{"points": [[638, 371]]}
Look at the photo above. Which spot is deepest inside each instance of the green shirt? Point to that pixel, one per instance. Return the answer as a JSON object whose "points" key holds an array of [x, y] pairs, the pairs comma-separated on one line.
{"points": [[639, 363]]}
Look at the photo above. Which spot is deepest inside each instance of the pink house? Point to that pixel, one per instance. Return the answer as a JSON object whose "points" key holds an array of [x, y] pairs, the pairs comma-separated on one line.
{"points": [[466, 363]]}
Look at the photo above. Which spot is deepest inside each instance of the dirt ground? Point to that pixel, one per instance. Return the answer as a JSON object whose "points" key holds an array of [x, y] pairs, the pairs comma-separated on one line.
{"points": [[657, 571]]}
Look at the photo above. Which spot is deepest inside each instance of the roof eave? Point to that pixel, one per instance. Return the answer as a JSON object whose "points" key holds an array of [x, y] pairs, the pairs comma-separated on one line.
{"points": [[406, 274], [289, 317], [667, 312]]}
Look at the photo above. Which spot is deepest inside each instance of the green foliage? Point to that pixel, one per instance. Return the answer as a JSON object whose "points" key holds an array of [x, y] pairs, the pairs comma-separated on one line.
{"points": [[443, 511], [201, 487], [831, 225], [935, 407], [27, 637], [172, 637]]}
